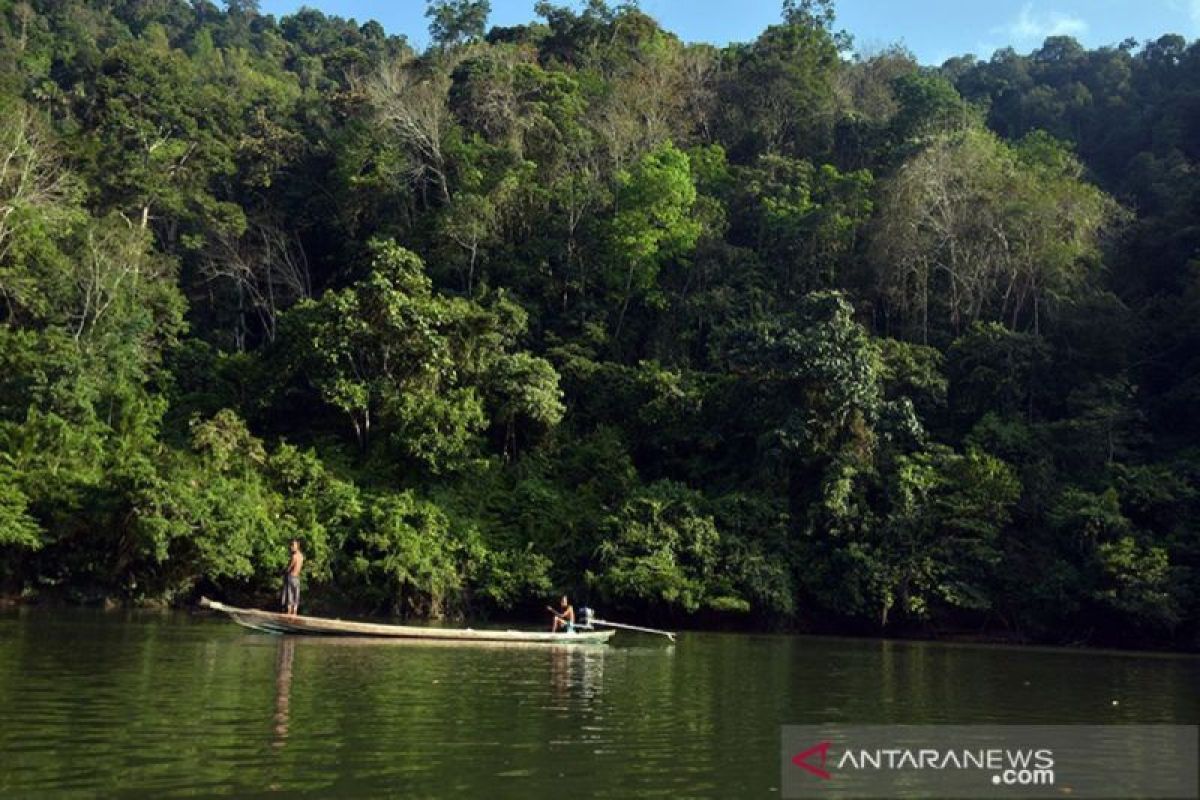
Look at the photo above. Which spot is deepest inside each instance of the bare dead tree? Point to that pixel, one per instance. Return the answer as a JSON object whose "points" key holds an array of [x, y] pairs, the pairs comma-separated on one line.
{"points": [[965, 222], [699, 69], [112, 268], [267, 269], [413, 106], [108, 262], [33, 181], [490, 101]]}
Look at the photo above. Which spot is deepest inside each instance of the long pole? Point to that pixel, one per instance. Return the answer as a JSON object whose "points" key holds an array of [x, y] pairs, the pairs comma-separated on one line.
{"points": [[667, 634]]}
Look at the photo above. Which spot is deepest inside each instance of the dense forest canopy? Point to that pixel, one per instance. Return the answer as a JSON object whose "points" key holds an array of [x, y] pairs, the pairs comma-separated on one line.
{"points": [[768, 334]]}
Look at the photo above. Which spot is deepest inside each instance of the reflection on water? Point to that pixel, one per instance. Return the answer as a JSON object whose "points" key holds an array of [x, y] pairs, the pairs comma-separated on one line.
{"points": [[575, 671], [156, 705], [283, 689]]}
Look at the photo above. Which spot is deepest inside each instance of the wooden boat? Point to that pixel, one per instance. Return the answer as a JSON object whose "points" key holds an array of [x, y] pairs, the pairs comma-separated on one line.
{"points": [[271, 622]]}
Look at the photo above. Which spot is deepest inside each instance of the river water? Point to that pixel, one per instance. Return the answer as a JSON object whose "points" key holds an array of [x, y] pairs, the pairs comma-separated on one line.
{"points": [[140, 704]]}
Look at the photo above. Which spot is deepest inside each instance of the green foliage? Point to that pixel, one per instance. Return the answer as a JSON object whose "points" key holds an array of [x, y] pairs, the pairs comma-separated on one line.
{"points": [[916, 372], [824, 340], [928, 105], [934, 546], [780, 94], [406, 557], [17, 528], [653, 223], [457, 21], [158, 152], [821, 372], [805, 219], [1137, 582], [208, 513], [392, 354], [995, 369], [661, 549]]}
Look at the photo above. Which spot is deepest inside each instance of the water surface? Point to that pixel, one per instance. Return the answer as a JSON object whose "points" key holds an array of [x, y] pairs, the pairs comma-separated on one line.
{"points": [[173, 704]]}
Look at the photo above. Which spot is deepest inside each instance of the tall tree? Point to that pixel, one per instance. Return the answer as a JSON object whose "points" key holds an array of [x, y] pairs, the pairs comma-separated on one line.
{"points": [[973, 228], [653, 222], [160, 141], [454, 22]]}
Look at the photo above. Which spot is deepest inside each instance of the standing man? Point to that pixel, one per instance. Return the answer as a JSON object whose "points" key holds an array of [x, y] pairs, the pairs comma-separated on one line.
{"points": [[291, 580]]}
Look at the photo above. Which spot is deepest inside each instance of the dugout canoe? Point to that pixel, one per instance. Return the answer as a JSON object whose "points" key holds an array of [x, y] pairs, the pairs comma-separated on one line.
{"points": [[272, 622]]}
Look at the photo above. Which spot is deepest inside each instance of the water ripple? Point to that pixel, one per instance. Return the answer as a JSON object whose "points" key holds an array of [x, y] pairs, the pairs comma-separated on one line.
{"points": [[174, 705]]}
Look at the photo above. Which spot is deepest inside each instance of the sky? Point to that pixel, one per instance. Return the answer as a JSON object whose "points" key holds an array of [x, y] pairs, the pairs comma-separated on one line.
{"points": [[933, 29]]}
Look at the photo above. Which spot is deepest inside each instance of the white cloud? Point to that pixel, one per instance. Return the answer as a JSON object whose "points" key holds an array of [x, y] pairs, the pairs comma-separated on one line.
{"points": [[1031, 26]]}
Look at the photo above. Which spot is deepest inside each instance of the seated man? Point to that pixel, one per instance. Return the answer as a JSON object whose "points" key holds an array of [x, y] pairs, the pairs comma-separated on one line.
{"points": [[564, 620]]}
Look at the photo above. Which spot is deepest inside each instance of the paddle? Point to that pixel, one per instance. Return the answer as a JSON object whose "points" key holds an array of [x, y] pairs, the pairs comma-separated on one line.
{"points": [[638, 628], [589, 620]]}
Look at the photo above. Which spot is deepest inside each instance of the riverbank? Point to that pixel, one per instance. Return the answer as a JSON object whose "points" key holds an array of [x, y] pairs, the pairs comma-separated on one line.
{"points": [[696, 624]]}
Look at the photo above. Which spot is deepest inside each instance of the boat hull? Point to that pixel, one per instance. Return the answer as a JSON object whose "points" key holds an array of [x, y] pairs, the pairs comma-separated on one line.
{"points": [[271, 622]]}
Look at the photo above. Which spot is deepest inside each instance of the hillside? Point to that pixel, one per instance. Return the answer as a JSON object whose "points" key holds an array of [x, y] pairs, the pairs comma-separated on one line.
{"points": [[764, 335]]}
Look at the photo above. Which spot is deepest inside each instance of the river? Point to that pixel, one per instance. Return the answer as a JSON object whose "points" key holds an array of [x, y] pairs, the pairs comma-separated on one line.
{"points": [[148, 704]]}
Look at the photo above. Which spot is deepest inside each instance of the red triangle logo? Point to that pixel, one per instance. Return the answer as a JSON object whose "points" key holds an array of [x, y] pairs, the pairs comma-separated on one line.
{"points": [[801, 760]]}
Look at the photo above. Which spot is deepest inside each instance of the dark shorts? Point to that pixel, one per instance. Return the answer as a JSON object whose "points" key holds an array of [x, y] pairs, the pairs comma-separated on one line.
{"points": [[291, 591]]}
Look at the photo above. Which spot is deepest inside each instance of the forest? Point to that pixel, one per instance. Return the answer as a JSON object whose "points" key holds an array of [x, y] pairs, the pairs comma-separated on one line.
{"points": [[775, 335]]}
